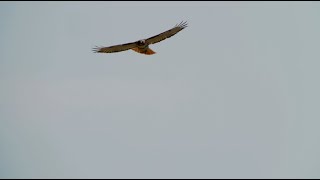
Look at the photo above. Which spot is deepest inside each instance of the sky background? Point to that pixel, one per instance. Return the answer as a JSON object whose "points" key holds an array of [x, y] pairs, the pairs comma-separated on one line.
{"points": [[234, 95]]}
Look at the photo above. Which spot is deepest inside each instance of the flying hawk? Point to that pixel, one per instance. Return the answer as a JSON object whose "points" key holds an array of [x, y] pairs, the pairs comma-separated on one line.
{"points": [[142, 46]]}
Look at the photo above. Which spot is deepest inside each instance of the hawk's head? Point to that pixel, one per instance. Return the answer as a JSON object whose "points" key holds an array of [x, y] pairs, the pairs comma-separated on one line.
{"points": [[141, 42]]}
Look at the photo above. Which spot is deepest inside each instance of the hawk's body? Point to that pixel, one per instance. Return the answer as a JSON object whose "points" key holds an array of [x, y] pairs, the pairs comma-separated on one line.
{"points": [[142, 46]]}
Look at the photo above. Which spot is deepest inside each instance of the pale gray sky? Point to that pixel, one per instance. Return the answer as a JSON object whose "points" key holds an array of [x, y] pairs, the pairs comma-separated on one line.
{"points": [[234, 95]]}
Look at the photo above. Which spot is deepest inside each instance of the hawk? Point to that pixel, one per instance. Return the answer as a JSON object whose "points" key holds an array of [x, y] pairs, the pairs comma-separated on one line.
{"points": [[142, 46]]}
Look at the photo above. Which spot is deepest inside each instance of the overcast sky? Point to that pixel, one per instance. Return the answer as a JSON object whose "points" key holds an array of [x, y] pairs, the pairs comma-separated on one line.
{"points": [[234, 95]]}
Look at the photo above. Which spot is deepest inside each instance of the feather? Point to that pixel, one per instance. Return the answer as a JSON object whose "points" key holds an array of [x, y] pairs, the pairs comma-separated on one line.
{"points": [[167, 34], [116, 48]]}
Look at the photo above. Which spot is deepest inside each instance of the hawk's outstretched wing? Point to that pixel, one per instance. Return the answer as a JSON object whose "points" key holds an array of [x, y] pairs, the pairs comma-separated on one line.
{"points": [[167, 34], [116, 48]]}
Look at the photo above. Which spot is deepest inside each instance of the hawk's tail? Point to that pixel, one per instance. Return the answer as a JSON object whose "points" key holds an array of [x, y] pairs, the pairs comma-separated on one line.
{"points": [[147, 52]]}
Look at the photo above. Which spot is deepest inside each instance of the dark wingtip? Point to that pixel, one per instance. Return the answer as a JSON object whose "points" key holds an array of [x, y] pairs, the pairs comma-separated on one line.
{"points": [[96, 49], [182, 24]]}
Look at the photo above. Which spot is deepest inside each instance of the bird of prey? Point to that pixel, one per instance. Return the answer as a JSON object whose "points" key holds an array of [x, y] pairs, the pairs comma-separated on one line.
{"points": [[142, 46]]}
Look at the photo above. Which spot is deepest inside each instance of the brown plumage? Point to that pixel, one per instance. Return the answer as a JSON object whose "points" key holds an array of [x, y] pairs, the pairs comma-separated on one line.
{"points": [[147, 52], [142, 46]]}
